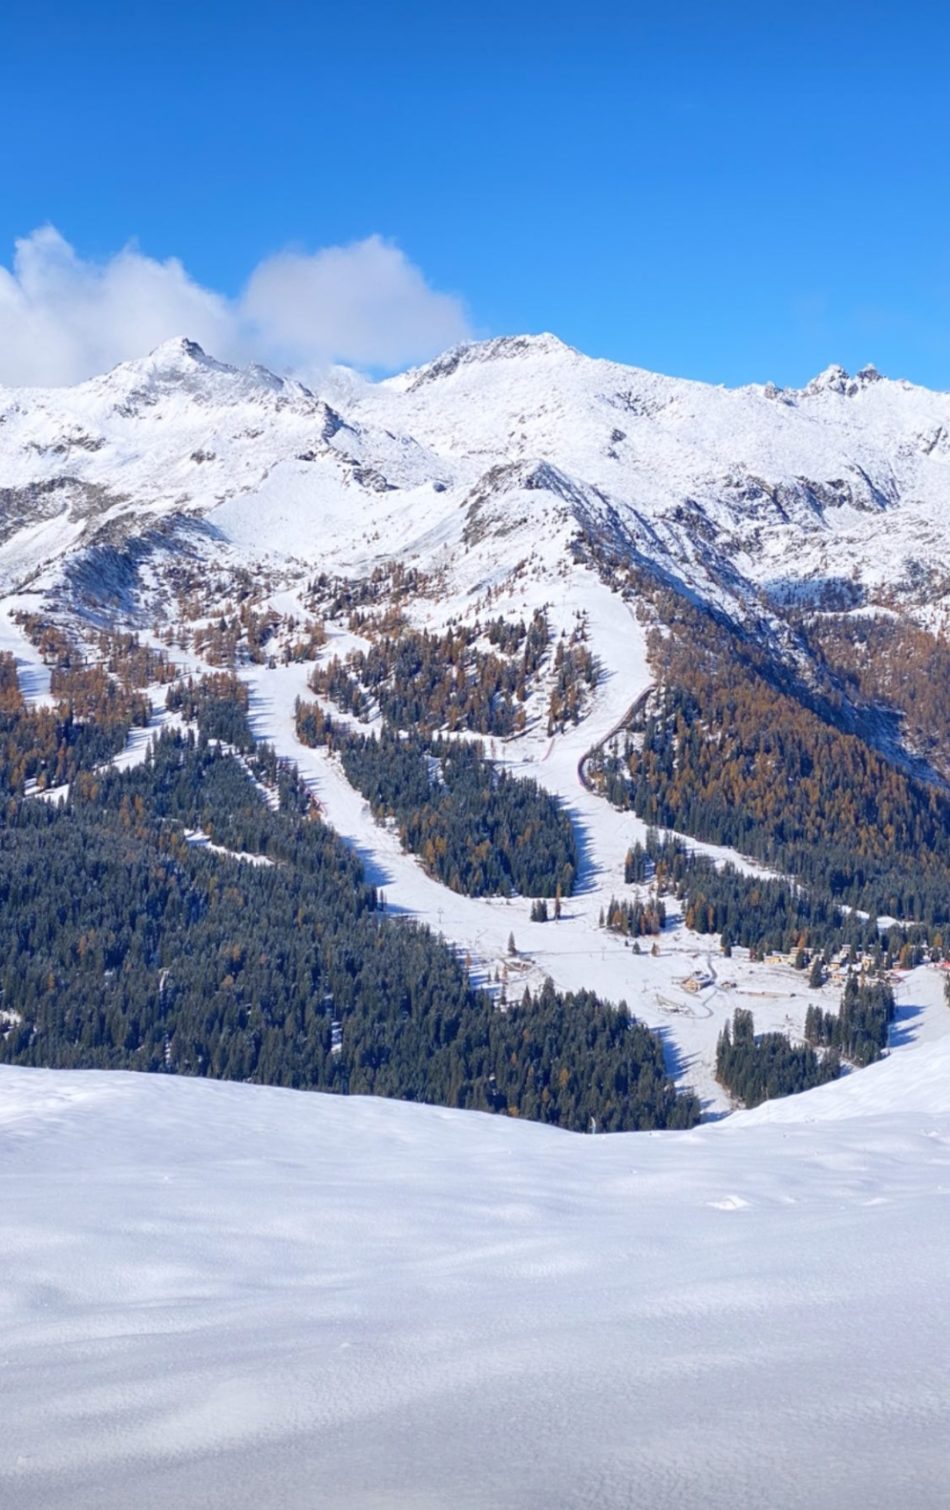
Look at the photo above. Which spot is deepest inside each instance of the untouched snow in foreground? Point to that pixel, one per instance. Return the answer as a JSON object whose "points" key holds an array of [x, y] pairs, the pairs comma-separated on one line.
{"points": [[219, 1295]]}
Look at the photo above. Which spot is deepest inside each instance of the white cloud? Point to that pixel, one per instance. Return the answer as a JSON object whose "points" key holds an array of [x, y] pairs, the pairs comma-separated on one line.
{"points": [[365, 303], [63, 318]]}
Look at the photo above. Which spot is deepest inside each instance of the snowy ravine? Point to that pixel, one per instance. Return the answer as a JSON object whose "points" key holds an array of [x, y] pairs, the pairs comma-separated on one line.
{"points": [[229, 1296]]}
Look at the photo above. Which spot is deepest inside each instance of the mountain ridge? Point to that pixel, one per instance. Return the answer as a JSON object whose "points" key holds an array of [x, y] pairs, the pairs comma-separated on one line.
{"points": [[744, 468], [513, 455]]}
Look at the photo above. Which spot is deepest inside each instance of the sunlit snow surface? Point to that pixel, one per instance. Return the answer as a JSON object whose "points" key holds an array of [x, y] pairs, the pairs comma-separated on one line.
{"points": [[221, 1295], [731, 491]]}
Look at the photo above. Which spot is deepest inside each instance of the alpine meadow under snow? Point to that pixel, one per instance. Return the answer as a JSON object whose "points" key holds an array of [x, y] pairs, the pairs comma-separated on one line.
{"points": [[666, 619]]}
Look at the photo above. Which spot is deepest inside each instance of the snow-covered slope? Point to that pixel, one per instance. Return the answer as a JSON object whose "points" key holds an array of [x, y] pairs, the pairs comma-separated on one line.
{"points": [[219, 1295], [515, 440], [180, 433], [849, 476]]}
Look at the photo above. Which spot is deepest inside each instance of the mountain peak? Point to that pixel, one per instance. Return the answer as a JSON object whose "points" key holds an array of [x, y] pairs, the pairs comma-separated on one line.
{"points": [[505, 347], [182, 354], [177, 348], [172, 361], [472, 353], [834, 379], [837, 379], [181, 365]]}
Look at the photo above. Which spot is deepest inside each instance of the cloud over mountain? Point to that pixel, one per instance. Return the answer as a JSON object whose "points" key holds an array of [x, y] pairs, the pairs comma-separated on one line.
{"points": [[64, 318]]}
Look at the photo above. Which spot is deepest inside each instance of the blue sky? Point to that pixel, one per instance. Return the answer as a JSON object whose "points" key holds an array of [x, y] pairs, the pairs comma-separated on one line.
{"points": [[726, 192]]}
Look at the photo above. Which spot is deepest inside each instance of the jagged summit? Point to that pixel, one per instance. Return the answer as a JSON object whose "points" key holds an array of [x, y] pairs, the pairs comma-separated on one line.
{"points": [[180, 348], [834, 379], [182, 366], [497, 349], [837, 379]]}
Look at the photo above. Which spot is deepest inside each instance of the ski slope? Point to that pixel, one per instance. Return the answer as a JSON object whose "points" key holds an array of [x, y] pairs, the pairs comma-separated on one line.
{"points": [[219, 1295], [33, 676], [575, 952]]}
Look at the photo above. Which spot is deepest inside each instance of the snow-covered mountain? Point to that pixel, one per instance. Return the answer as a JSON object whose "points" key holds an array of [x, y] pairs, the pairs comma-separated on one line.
{"points": [[513, 476], [496, 452]]}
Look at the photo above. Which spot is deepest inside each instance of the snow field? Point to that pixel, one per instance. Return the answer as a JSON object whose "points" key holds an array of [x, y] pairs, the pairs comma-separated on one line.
{"points": [[221, 1295]]}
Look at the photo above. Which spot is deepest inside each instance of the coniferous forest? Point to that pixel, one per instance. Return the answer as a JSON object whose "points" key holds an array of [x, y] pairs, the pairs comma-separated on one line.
{"points": [[423, 681], [724, 752], [757, 1069], [768, 914], [268, 958], [88, 724], [859, 1029], [480, 831]]}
